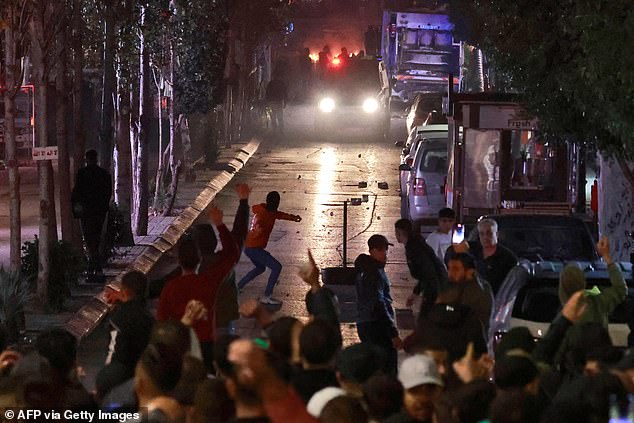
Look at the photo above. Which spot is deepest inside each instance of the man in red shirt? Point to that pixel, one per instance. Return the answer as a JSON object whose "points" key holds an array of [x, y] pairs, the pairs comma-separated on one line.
{"points": [[202, 287], [262, 224]]}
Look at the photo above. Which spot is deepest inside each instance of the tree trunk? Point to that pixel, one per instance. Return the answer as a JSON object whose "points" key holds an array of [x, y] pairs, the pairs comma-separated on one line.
{"points": [[173, 188], [15, 229], [107, 106], [140, 216], [41, 40], [123, 160], [186, 142], [134, 142], [78, 80], [61, 86], [160, 168], [44, 169]]}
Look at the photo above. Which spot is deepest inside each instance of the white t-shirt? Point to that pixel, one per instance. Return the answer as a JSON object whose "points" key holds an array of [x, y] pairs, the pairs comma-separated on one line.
{"points": [[439, 242]]}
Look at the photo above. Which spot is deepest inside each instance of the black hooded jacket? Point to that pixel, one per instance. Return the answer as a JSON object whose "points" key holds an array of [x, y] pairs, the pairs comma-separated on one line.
{"points": [[449, 327], [374, 300], [425, 266]]}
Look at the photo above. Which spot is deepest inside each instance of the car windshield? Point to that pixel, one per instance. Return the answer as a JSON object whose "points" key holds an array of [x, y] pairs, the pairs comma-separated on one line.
{"points": [[434, 160], [354, 77], [548, 242]]}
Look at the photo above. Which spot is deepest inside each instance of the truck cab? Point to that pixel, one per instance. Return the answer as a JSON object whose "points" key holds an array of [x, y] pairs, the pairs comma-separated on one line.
{"points": [[353, 94]]}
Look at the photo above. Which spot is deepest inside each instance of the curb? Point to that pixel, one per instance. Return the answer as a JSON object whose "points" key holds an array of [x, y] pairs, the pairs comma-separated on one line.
{"points": [[90, 315]]}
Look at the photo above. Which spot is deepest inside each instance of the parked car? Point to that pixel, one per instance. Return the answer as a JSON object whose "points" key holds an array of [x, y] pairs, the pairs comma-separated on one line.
{"points": [[416, 136], [544, 245], [424, 111], [426, 179]]}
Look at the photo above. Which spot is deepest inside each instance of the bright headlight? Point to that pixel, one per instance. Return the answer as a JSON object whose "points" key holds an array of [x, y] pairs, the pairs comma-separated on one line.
{"points": [[370, 105], [327, 105]]}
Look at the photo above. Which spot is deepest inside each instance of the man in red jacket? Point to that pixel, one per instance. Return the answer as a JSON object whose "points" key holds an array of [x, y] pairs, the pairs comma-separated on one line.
{"points": [[202, 287], [262, 224]]}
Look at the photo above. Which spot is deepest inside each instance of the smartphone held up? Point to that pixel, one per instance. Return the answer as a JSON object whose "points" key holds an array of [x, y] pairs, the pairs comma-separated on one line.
{"points": [[458, 234]]}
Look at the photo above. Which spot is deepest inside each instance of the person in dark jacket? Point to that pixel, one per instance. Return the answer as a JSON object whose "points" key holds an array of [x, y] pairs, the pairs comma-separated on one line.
{"points": [[476, 293], [276, 98], [321, 302], [449, 325], [131, 324], [91, 200], [59, 348], [319, 342], [493, 261], [601, 302], [376, 322], [423, 264]]}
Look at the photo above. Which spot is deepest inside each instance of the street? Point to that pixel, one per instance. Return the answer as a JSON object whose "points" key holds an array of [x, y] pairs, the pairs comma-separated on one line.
{"points": [[308, 173]]}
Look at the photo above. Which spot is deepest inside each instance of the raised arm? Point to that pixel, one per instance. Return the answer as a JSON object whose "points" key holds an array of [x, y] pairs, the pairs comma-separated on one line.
{"points": [[572, 311], [230, 253], [611, 297], [241, 221], [286, 216]]}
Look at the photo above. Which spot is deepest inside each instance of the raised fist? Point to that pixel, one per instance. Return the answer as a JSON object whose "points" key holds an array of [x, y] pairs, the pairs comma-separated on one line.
{"points": [[243, 191], [215, 214]]}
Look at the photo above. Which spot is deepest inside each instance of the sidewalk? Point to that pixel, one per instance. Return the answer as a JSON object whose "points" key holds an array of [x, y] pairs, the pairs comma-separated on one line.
{"points": [[163, 234]]}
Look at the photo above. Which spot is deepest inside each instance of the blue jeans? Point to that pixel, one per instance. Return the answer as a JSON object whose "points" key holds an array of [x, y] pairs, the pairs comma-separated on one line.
{"points": [[262, 259]]}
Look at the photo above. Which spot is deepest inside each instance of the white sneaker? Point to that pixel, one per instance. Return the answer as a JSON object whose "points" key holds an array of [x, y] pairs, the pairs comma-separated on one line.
{"points": [[270, 301]]}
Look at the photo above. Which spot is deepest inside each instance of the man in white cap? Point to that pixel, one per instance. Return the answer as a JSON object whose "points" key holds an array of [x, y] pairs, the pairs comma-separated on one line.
{"points": [[423, 386]]}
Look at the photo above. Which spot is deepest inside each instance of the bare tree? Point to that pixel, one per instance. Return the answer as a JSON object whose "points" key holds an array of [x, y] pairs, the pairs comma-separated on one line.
{"points": [[159, 82], [78, 81], [141, 191], [61, 114], [16, 15], [44, 26], [110, 9], [123, 154]]}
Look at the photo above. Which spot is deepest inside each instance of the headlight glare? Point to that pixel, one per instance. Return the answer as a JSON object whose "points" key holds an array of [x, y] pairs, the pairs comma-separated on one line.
{"points": [[327, 105], [370, 105]]}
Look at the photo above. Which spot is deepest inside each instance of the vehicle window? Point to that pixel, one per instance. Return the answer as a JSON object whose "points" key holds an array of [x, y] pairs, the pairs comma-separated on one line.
{"points": [[481, 168], [434, 160], [537, 304], [548, 242], [354, 77], [541, 304], [532, 164]]}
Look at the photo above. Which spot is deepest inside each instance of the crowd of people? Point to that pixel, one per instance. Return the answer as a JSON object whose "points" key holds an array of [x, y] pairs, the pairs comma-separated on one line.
{"points": [[185, 363]]}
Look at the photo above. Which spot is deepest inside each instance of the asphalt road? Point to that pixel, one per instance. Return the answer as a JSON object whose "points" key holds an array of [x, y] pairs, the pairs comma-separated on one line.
{"points": [[313, 177]]}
